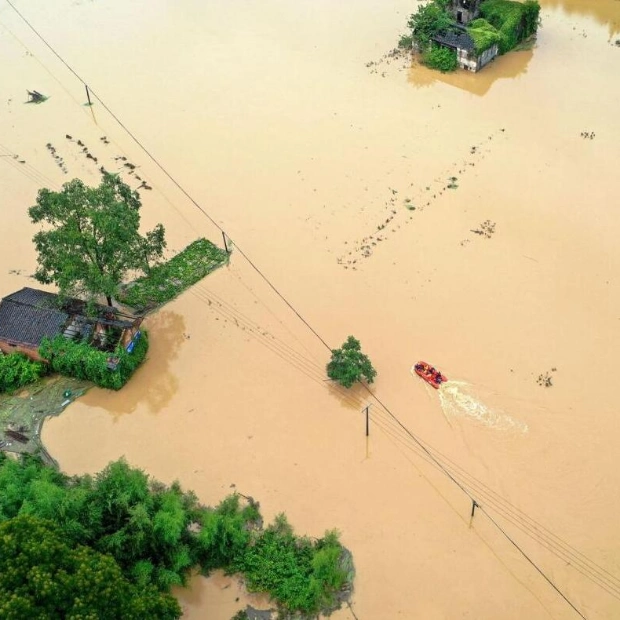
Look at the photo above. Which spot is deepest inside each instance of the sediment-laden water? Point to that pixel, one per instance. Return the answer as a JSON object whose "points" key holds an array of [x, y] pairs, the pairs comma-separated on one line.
{"points": [[290, 126]]}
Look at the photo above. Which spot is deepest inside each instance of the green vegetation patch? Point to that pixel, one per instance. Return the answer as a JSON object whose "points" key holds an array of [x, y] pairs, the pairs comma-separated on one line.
{"points": [[16, 371], [429, 20], [515, 21], [157, 535], [483, 34], [80, 360], [440, 58], [166, 281], [302, 574]]}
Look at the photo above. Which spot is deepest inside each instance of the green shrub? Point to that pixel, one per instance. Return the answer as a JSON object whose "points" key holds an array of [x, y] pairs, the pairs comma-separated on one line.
{"points": [[405, 42], [441, 58], [80, 360], [300, 574], [16, 371]]}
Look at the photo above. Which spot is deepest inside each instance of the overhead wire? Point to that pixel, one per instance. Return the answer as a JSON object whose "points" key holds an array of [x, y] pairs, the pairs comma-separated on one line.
{"points": [[428, 454], [24, 168]]}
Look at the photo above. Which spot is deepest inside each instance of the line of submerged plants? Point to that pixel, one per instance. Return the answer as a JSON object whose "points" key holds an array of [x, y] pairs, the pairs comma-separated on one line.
{"points": [[114, 544]]}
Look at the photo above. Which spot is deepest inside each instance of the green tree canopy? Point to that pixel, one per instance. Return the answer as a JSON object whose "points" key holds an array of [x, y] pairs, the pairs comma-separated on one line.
{"points": [[429, 20], [93, 238], [349, 364], [62, 535], [43, 576]]}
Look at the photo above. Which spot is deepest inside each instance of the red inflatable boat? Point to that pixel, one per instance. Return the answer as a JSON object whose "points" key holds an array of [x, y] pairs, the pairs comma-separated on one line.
{"points": [[430, 374]]}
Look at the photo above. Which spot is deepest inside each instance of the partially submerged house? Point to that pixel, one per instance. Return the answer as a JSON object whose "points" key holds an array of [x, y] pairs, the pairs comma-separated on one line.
{"points": [[459, 39], [30, 315]]}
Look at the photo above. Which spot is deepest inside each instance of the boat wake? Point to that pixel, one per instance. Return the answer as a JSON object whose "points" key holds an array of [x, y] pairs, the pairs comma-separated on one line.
{"points": [[457, 399]]}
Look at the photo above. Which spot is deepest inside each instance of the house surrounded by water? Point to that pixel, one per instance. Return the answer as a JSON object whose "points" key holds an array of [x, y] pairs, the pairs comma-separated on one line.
{"points": [[30, 315], [460, 40]]}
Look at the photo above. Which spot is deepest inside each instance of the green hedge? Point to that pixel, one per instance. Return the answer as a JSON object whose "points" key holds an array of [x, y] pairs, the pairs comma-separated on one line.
{"points": [[171, 278], [80, 360], [16, 371], [441, 58], [515, 21]]}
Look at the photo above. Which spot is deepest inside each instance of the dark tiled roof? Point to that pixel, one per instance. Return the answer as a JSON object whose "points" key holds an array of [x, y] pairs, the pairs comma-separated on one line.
{"points": [[28, 324], [34, 297], [458, 39]]}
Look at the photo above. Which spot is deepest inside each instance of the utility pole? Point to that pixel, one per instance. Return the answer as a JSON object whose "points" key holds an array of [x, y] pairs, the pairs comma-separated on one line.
{"points": [[367, 410], [88, 95], [225, 243]]}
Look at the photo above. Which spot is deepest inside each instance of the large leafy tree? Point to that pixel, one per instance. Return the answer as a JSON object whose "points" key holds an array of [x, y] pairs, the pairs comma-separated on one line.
{"points": [[348, 364], [92, 239], [43, 576], [429, 20]]}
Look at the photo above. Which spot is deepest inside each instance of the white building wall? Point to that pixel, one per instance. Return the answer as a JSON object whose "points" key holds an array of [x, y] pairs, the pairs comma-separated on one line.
{"points": [[475, 63]]}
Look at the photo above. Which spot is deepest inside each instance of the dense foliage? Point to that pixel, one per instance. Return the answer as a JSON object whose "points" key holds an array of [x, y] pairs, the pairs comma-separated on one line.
{"points": [[167, 280], [440, 58], [515, 21], [483, 34], [349, 365], [16, 371], [43, 575], [304, 568], [430, 19], [93, 238], [156, 534], [82, 361]]}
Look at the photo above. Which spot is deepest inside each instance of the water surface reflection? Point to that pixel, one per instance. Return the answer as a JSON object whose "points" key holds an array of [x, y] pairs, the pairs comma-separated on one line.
{"points": [[154, 383]]}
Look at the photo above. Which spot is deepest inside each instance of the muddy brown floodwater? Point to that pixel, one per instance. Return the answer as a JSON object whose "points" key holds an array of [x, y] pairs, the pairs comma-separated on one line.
{"points": [[268, 114]]}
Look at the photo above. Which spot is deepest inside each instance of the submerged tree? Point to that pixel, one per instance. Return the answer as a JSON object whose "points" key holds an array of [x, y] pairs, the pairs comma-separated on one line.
{"points": [[349, 364], [94, 237]]}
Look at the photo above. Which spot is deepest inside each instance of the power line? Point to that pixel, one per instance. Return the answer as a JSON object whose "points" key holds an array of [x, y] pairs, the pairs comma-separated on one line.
{"points": [[413, 437]]}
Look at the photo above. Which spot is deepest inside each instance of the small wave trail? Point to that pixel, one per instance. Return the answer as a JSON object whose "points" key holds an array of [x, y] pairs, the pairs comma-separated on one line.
{"points": [[458, 399]]}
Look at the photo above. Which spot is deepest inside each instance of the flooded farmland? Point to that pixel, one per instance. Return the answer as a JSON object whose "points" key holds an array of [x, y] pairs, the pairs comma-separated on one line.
{"points": [[466, 220]]}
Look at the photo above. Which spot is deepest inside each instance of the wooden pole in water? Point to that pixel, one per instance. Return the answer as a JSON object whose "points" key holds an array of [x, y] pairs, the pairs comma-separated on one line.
{"points": [[225, 244], [88, 94], [474, 505]]}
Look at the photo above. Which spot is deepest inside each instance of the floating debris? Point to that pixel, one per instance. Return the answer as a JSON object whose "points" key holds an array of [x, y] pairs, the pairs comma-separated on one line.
{"points": [[34, 96], [487, 228]]}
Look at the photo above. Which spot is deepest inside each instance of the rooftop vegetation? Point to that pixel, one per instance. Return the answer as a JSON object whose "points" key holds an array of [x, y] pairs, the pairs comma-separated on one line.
{"points": [[515, 21], [167, 280]]}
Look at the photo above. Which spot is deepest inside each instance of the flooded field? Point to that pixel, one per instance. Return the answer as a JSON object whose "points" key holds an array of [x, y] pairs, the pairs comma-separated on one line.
{"points": [[463, 220]]}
